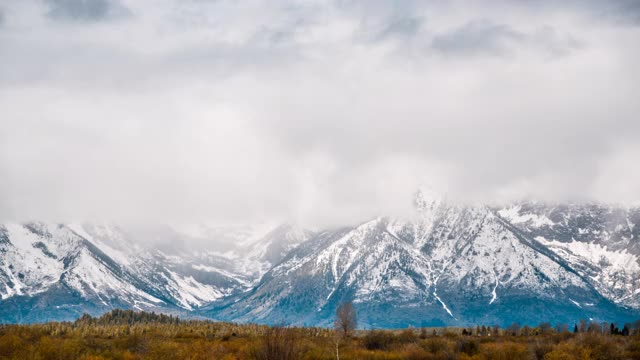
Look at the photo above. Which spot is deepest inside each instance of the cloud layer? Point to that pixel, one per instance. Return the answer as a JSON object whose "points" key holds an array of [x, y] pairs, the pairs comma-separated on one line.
{"points": [[324, 112]]}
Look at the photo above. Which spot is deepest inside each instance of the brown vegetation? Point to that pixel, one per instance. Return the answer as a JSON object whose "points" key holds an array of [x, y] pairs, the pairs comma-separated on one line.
{"points": [[127, 335]]}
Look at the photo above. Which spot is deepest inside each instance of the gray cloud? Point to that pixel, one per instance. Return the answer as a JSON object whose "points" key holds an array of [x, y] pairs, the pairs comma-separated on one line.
{"points": [[402, 27], [630, 9], [619, 12], [623, 12], [86, 10], [325, 112], [477, 37], [482, 37]]}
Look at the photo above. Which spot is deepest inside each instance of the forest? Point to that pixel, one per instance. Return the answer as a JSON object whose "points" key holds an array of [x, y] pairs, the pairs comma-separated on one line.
{"points": [[128, 335]]}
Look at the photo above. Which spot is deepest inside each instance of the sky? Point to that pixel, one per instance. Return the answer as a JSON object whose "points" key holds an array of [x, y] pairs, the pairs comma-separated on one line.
{"points": [[320, 112]]}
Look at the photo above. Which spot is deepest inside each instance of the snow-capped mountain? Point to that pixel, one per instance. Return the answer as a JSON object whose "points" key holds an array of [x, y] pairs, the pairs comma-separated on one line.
{"points": [[449, 264], [55, 271], [601, 243]]}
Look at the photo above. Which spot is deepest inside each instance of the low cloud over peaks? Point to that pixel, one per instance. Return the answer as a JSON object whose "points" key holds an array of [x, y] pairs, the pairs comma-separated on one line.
{"points": [[325, 112]]}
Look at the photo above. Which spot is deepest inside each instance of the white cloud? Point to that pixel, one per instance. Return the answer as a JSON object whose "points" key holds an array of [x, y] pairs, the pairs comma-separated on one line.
{"points": [[322, 111]]}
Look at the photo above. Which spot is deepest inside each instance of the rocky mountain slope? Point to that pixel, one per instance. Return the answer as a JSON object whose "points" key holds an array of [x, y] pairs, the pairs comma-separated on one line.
{"points": [[449, 264], [55, 271]]}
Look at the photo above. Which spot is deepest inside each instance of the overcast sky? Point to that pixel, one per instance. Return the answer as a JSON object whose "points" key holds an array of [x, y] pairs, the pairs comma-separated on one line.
{"points": [[323, 112]]}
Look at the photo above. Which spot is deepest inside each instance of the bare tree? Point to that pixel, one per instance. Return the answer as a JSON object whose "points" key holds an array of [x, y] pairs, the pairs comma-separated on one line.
{"points": [[346, 319], [545, 328], [583, 326], [594, 328], [514, 329], [562, 328], [336, 341], [495, 331]]}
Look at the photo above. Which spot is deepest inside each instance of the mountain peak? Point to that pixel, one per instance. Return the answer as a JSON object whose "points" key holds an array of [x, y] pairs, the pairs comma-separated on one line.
{"points": [[427, 199]]}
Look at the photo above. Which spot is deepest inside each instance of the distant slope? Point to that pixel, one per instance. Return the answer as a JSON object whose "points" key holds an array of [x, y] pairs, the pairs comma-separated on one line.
{"points": [[48, 271], [450, 264]]}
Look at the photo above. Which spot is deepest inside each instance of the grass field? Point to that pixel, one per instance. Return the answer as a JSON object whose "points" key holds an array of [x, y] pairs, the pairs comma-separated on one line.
{"points": [[128, 335]]}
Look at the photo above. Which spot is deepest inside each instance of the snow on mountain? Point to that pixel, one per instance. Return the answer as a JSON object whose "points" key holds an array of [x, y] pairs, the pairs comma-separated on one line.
{"points": [[449, 264], [367, 264], [28, 265], [98, 264], [515, 217], [108, 265], [247, 251], [601, 243], [616, 274]]}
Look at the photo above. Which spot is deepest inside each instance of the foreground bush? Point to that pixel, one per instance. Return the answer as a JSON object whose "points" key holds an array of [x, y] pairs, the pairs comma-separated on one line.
{"points": [[277, 343], [378, 340]]}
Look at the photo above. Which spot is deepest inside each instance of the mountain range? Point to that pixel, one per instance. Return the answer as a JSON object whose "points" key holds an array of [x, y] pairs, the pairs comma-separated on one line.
{"points": [[449, 264]]}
